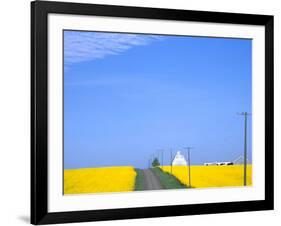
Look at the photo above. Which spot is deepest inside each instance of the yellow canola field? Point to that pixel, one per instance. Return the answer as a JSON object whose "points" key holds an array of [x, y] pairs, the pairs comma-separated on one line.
{"points": [[212, 176], [104, 179]]}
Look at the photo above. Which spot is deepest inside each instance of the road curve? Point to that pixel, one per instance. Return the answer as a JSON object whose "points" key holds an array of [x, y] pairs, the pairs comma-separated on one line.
{"points": [[151, 181]]}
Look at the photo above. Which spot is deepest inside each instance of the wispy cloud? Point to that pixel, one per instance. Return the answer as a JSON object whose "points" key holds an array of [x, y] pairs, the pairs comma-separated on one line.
{"points": [[87, 46]]}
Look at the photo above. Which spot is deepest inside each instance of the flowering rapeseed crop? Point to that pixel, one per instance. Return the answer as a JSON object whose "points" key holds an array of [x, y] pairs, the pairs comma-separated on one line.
{"points": [[93, 180], [211, 176]]}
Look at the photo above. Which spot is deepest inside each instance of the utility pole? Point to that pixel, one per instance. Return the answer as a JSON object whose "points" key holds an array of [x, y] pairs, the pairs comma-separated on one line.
{"points": [[161, 151], [171, 156], [189, 162], [162, 159], [245, 114]]}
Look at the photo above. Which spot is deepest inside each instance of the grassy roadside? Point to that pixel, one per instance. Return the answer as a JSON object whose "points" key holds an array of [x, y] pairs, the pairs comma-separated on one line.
{"points": [[139, 180], [167, 180]]}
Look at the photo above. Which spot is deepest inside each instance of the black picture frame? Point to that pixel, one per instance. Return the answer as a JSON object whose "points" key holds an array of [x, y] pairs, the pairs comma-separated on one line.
{"points": [[39, 112]]}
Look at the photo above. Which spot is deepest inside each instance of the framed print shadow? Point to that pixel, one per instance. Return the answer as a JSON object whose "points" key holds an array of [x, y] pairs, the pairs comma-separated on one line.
{"points": [[145, 112]]}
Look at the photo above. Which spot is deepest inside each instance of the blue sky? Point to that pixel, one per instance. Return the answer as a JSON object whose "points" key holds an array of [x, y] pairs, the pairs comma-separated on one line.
{"points": [[127, 96]]}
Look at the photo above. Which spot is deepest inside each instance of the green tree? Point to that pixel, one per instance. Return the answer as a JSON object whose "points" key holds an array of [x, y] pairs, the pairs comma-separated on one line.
{"points": [[155, 162]]}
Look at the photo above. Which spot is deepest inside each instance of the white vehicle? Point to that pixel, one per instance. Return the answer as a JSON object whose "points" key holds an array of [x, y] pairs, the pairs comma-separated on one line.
{"points": [[228, 163], [218, 163], [210, 164]]}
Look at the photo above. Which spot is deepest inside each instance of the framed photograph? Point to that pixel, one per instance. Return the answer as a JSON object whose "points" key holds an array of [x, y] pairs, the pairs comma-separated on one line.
{"points": [[145, 112]]}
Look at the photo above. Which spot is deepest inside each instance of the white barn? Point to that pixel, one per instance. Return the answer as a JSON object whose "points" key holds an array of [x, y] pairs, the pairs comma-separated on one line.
{"points": [[179, 160]]}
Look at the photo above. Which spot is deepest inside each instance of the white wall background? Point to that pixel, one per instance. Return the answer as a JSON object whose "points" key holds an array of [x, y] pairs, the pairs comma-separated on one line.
{"points": [[15, 113]]}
